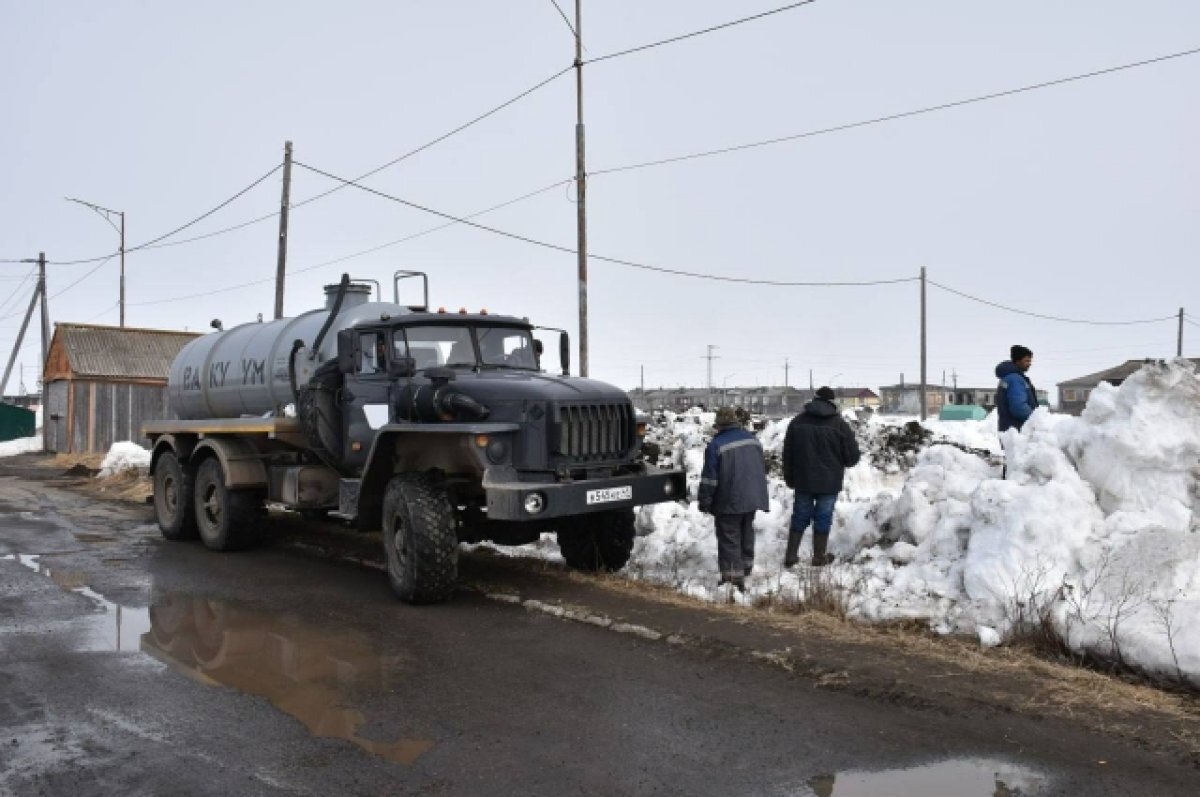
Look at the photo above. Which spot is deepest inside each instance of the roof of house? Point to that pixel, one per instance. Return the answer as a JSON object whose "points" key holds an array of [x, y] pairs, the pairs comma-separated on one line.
{"points": [[1114, 375], [122, 352]]}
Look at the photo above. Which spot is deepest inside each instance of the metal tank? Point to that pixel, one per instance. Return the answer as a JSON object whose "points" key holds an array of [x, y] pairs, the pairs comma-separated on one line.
{"points": [[244, 371]]}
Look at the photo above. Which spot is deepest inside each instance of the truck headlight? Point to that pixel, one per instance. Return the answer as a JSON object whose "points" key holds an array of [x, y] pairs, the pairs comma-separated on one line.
{"points": [[535, 503]]}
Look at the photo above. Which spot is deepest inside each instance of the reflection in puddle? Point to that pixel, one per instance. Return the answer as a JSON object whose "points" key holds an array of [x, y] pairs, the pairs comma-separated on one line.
{"points": [[319, 676], [310, 673], [971, 777], [113, 628]]}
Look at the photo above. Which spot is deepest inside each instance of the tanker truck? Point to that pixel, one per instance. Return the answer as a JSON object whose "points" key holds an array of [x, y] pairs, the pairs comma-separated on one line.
{"points": [[434, 428]]}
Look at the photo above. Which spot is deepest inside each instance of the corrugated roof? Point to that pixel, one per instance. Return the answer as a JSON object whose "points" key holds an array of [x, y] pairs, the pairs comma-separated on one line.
{"points": [[100, 351], [1115, 374]]}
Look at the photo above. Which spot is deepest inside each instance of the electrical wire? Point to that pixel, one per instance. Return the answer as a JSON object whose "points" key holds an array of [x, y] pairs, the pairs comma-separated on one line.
{"points": [[1188, 319], [602, 258], [696, 33], [90, 272], [343, 258], [570, 27], [1051, 317], [891, 117], [16, 312], [16, 291], [181, 228]]}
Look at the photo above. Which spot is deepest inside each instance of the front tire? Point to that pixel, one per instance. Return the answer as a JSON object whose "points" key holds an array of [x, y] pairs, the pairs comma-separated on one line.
{"points": [[599, 541], [174, 489], [420, 538], [227, 520]]}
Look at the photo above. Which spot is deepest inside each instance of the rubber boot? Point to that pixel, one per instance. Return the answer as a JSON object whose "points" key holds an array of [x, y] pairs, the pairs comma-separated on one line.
{"points": [[791, 556], [820, 557]]}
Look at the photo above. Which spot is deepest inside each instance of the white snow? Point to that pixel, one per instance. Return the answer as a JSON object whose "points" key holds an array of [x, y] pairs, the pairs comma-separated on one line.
{"points": [[22, 445], [1094, 532], [124, 456]]}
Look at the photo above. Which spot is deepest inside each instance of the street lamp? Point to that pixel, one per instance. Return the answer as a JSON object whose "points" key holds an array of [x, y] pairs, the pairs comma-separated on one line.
{"points": [[107, 215]]}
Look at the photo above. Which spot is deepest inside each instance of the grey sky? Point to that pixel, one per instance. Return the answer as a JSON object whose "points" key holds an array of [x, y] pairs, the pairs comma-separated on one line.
{"points": [[1078, 200]]}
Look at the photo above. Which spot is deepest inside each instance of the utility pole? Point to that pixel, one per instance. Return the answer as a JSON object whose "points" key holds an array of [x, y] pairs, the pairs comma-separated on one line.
{"points": [[122, 300], [284, 204], [810, 382], [710, 357], [581, 196], [45, 312], [20, 339], [954, 376], [1179, 343], [785, 384], [924, 398], [106, 214]]}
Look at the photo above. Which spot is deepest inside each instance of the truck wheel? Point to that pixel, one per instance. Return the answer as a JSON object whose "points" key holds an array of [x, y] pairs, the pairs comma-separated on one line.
{"points": [[600, 541], [174, 486], [227, 519], [419, 538]]}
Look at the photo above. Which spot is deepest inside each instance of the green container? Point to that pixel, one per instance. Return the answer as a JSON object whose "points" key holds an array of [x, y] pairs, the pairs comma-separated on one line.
{"points": [[16, 422], [962, 412]]}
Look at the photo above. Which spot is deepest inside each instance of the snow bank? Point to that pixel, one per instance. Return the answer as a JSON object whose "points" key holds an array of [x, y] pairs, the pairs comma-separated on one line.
{"points": [[124, 456], [1094, 532], [22, 445]]}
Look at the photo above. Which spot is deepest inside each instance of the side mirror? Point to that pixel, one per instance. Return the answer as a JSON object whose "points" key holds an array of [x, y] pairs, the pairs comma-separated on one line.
{"points": [[564, 353], [538, 347], [401, 367], [346, 342]]}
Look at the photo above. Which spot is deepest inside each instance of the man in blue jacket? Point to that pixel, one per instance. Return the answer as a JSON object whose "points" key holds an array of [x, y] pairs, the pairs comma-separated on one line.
{"points": [[1016, 398], [733, 486]]}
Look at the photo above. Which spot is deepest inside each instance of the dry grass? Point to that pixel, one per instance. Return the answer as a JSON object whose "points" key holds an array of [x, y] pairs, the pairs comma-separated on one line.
{"points": [[1053, 687]]}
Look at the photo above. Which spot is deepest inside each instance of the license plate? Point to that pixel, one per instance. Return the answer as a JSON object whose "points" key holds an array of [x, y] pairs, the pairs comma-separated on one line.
{"points": [[609, 494]]}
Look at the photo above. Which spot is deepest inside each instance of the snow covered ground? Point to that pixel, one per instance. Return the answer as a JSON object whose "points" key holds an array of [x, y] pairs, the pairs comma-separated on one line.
{"points": [[125, 456], [1093, 533], [22, 445]]}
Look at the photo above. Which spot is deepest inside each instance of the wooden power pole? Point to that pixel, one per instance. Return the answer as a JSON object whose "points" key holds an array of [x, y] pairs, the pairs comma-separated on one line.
{"points": [[581, 194], [284, 203], [1179, 340], [924, 386]]}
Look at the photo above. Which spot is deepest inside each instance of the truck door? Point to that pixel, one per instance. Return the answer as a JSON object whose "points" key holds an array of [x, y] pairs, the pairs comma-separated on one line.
{"points": [[366, 403]]}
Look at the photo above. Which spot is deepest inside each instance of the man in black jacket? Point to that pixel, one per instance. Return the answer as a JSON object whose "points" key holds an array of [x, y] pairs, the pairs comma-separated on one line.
{"points": [[817, 449]]}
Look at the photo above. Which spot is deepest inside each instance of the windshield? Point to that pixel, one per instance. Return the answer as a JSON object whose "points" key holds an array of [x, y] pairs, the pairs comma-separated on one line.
{"points": [[450, 345]]}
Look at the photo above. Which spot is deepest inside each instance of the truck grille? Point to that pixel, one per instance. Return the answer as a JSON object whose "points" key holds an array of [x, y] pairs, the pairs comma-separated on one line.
{"points": [[594, 432]]}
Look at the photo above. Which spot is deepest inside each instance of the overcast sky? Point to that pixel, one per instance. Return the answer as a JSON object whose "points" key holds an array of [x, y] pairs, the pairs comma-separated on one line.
{"points": [[1078, 200]]}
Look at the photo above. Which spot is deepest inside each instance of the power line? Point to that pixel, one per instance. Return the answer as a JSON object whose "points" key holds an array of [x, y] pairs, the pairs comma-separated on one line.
{"points": [[16, 291], [893, 117], [948, 289], [602, 258], [1189, 320], [361, 253], [695, 33], [92, 271], [182, 227], [558, 8]]}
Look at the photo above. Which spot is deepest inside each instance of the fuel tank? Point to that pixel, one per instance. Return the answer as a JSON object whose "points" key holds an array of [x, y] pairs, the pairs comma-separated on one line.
{"points": [[243, 371]]}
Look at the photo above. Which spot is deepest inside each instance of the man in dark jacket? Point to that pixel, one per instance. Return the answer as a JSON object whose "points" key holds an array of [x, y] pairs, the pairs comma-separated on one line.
{"points": [[817, 449], [733, 486], [1016, 398]]}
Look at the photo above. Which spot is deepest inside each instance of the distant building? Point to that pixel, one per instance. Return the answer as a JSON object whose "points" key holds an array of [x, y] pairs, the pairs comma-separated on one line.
{"points": [[103, 382], [1074, 393], [906, 399], [769, 401]]}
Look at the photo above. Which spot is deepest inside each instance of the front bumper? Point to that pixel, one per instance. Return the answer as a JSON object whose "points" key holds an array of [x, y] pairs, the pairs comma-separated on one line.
{"points": [[507, 500]]}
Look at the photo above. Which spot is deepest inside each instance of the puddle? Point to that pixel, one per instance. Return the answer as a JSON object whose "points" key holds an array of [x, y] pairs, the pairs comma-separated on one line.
{"points": [[322, 676], [112, 628], [971, 777], [314, 674]]}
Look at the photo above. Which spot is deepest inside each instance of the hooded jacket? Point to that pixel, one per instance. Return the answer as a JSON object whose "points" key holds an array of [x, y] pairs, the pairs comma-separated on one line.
{"points": [[817, 449], [1016, 398], [734, 479]]}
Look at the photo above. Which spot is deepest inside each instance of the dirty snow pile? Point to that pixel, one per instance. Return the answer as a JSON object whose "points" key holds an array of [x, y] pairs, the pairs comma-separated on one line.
{"points": [[125, 456], [22, 445], [1094, 533]]}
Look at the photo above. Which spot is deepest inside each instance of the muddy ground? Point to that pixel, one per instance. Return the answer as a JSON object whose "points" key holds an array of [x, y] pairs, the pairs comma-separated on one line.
{"points": [[129, 665]]}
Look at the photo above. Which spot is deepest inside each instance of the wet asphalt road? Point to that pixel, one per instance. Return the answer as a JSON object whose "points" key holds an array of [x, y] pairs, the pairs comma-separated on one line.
{"points": [[133, 666]]}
